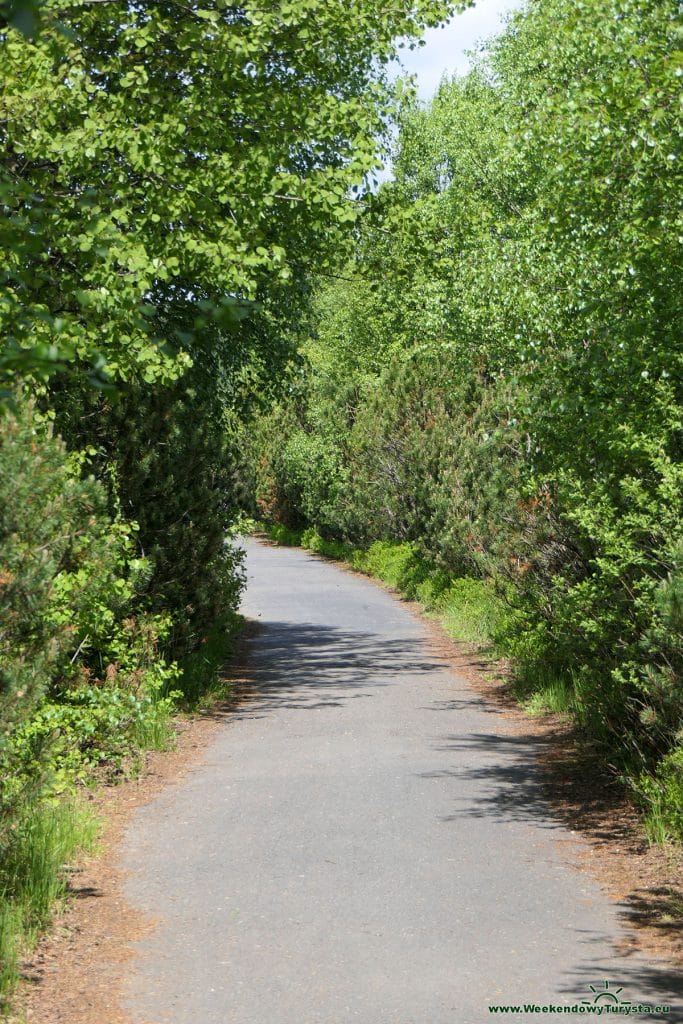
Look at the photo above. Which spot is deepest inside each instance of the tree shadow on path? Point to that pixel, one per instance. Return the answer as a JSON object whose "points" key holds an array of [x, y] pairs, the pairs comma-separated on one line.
{"points": [[306, 666]]}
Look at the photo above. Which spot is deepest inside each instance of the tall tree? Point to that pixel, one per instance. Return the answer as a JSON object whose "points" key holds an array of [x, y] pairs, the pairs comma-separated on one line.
{"points": [[155, 151]]}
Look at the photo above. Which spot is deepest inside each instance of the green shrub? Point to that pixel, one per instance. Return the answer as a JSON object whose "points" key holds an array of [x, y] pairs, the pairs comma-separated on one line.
{"points": [[661, 794], [83, 684], [167, 460], [313, 540], [281, 534], [48, 520], [202, 680], [78, 671]]}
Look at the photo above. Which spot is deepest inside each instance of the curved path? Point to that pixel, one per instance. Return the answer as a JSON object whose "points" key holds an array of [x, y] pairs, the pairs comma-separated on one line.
{"points": [[365, 841]]}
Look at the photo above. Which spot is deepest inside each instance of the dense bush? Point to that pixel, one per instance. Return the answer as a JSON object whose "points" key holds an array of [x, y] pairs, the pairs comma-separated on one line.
{"points": [[83, 683], [167, 457], [80, 666], [302, 479]]}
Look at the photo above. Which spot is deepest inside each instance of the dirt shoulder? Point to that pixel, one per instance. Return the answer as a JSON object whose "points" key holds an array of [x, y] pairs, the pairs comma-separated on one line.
{"points": [[75, 974]]}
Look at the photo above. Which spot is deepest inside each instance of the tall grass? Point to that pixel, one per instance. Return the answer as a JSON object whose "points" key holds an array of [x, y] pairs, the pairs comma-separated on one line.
{"points": [[37, 851], [471, 611], [660, 795], [153, 730]]}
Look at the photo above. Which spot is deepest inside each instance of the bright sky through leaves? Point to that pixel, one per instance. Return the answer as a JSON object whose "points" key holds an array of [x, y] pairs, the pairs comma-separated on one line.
{"points": [[444, 52], [445, 49]]}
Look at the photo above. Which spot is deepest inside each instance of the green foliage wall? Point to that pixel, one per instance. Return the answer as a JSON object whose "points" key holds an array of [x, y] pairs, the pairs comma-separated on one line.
{"points": [[498, 376], [169, 175], [80, 664], [167, 456]]}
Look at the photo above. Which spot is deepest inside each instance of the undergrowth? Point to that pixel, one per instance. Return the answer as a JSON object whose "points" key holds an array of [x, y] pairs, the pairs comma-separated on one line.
{"points": [[202, 681], [46, 823], [36, 860]]}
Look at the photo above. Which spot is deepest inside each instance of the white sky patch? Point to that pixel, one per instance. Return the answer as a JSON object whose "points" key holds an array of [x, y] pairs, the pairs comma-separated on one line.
{"points": [[444, 52], [444, 49]]}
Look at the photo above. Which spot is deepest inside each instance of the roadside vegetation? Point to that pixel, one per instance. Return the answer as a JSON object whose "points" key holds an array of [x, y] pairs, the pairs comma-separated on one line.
{"points": [[469, 378], [169, 174], [487, 399]]}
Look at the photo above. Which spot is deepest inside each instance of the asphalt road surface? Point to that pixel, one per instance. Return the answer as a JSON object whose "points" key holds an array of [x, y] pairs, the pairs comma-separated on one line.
{"points": [[366, 841]]}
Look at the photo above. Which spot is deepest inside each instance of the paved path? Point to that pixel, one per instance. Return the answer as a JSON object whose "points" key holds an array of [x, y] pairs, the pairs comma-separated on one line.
{"points": [[364, 842]]}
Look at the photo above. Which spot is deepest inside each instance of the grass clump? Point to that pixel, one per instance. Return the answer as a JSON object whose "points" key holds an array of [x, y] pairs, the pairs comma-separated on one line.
{"points": [[312, 540], [37, 849], [472, 611], [660, 794], [283, 535], [556, 697]]}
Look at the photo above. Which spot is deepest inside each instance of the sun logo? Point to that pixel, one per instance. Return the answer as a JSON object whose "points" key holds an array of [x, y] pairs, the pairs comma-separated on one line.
{"points": [[605, 994]]}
